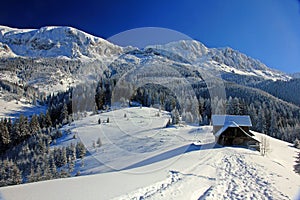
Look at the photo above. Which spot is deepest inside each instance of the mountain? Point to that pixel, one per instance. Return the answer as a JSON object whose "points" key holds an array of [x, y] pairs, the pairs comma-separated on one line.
{"points": [[68, 42], [223, 60], [56, 42]]}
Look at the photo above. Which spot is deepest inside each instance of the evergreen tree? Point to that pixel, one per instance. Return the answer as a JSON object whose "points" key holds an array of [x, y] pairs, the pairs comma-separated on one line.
{"points": [[175, 116], [34, 125], [4, 137], [48, 121], [64, 174], [52, 166], [297, 165], [80, 150], [60, 156], [16, 175], [64, 114], [71, 152], [297, 143], [47, 175]]}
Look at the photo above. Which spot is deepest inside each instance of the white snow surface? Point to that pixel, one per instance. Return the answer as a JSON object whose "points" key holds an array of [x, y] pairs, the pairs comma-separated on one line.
{"points": [[13, 108], [141, 159]]}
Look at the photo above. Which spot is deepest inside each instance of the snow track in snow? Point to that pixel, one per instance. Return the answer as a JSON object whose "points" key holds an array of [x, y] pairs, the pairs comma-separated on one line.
{"points": [[219, 174], [239, 179]]}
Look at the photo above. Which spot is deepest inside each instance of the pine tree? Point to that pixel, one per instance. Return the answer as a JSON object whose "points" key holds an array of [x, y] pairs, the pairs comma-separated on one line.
{"points": [[63, 156], [60, 156], [48, 121], [34, 125], [297, 143], [23, 126], [16, 175], [80, 150], [47, 175], [64, 114], [4, 137], [71, 166], [175, 116], [10, 173], [71, 152], [2, 174], [52, 166], [297, 165], [42, 120], [64, 174], [38, 173]]}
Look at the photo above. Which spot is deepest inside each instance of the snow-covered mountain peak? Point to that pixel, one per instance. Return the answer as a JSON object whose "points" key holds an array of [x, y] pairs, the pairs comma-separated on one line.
{"points": [[191, 50], [224, 60], [71, 43], [56, 41], [5, 30]]}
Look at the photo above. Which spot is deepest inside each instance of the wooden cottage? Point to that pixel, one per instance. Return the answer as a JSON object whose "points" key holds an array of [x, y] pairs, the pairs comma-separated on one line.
{"points": [[234, 130]]}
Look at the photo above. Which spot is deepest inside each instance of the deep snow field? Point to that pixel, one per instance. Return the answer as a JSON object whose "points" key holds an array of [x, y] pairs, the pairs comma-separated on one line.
{"points": [[139, 158]]}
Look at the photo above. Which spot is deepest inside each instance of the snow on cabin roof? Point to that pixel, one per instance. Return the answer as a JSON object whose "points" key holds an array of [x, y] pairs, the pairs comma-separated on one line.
{"points": [[231, 120], [217, 134]]}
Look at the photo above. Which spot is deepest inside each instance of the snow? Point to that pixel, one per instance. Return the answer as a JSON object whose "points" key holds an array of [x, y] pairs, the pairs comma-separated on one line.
{"points": [[241, 120], [15, 108], [54, 41], [140, 158], [237, 63]]}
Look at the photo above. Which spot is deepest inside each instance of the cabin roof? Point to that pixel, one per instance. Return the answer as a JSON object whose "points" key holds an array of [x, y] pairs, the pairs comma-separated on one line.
{"points": [[231, 120], [225, 127]]}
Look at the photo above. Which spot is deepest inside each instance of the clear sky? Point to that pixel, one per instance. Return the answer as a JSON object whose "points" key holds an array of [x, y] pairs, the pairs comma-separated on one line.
{"points": [[268, 30]]}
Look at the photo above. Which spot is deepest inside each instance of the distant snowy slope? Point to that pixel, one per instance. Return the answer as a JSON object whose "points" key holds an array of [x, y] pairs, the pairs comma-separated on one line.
{"points": [[224, 60], [56, 42]]}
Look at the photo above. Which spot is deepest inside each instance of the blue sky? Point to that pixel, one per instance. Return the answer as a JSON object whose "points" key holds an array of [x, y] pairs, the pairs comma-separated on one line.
{"points": [[268, 30]]}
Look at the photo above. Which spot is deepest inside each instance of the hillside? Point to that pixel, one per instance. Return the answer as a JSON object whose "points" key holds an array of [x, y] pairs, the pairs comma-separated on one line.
{"points": [[164, 163]]}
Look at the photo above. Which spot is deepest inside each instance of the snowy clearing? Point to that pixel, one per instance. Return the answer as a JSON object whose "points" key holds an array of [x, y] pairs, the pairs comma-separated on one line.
{"points": [[141, 159]]}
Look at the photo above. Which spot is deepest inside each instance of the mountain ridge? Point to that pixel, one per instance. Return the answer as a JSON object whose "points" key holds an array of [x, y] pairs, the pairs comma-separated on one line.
{"points": [[71, 43], [56, 41]]}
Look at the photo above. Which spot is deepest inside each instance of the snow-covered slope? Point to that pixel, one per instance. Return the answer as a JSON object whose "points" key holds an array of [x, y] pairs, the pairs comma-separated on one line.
{"points": [[55, 41], [165, 164], [224, 60]]}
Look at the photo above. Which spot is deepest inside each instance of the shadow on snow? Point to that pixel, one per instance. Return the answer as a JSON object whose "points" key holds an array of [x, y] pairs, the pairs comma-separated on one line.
{"points": [[169, 154]]}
